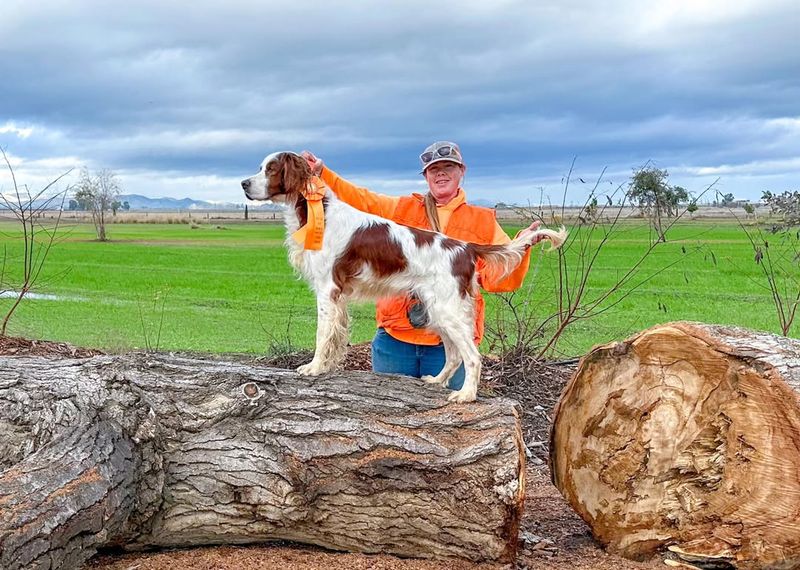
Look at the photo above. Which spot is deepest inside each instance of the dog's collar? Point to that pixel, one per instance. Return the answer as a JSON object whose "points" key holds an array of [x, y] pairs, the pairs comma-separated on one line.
{"points": [[310, 235], [315, 189]]}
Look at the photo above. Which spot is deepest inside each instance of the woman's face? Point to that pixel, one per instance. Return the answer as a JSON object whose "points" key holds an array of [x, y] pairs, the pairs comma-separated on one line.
{"points": [[443, 178]]}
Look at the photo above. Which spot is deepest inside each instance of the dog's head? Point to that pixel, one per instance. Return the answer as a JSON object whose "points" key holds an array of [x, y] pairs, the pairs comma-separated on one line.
{"points": [[283, 175]]}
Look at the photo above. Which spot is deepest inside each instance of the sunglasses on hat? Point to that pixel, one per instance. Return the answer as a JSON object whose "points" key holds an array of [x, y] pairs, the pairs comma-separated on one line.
{"points": [[441, 152]]}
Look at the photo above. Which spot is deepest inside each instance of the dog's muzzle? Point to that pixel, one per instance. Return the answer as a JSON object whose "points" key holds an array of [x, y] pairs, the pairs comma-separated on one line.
{"points": [[246, 187]]}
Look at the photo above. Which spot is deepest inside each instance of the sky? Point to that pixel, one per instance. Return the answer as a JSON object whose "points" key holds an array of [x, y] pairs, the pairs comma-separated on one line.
{"points": [[547, 101]]}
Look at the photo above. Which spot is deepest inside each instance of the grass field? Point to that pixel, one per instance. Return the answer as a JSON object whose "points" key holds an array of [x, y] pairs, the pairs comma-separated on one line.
{"points": [[229, 288]]}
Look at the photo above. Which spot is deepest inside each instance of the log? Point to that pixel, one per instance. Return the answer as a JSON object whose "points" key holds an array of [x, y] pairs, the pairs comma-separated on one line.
{"points": [[151, 450], [686, 437]]}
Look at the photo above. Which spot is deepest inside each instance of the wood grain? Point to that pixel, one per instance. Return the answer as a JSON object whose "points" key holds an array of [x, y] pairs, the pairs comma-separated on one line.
{"points": [[147, 451], [687, 436]]}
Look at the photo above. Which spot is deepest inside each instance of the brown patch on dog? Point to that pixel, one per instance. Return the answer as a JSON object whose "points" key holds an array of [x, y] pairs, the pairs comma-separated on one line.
{"points": [[373, 246], [422, 237], [287, 174], [450, 243], [274, 181], [301, 210], [463, 265]]}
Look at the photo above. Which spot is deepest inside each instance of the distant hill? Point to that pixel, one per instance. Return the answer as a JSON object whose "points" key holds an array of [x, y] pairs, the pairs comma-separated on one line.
{"points": [[139, 202]]}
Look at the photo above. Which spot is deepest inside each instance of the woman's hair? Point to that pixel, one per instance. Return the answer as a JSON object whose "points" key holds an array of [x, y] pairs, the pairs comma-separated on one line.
{"points": [[431, 213]]}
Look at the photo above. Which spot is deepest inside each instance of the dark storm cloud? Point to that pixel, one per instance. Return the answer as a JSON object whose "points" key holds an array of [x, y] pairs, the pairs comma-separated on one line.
{"points": [[202, 89]]}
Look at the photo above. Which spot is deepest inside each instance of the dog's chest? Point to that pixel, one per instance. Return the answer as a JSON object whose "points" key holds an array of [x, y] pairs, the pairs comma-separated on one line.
{"points": [[313, 265]]}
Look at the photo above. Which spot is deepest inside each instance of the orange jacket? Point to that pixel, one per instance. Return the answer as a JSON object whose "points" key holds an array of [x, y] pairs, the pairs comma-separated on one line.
{"points": [[458, 220]]}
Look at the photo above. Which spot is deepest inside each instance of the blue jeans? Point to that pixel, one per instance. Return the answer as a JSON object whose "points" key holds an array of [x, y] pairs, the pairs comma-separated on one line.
{"points": [[417, 360]]}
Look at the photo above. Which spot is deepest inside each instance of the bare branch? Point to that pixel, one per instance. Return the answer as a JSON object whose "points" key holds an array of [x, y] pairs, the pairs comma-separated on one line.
{"points": [[27, 207]]}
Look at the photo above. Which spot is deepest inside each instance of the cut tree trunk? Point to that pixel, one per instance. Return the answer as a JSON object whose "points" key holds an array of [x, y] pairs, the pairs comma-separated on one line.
{"points": [[686, 436], [141, 451]]}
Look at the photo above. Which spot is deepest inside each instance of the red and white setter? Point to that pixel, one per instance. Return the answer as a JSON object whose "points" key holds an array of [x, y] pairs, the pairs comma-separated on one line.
{"points": [[367, 257]]}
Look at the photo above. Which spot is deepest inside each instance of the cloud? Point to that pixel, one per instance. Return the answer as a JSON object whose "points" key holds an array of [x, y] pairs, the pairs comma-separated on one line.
{"points": [[12, 128], [170, 96]]}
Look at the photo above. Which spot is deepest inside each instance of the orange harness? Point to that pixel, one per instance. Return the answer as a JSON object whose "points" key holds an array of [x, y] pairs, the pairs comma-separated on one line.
{"points": [[310, 235]]}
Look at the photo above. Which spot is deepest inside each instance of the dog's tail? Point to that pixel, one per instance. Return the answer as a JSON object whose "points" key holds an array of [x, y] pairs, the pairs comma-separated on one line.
{"points": [[509, 255]]}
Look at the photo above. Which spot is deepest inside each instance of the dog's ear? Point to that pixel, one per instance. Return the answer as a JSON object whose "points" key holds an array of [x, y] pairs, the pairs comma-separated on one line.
{"points": [[296, 173]]}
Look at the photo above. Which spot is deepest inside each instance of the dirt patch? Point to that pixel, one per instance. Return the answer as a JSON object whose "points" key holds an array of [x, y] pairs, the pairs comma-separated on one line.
{"points": [[552, 536], [14, 346]]}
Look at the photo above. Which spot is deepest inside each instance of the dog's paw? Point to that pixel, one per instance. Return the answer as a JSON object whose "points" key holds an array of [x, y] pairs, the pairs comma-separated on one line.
{"points": [[310, 369], [462, 396], [428, 379]]}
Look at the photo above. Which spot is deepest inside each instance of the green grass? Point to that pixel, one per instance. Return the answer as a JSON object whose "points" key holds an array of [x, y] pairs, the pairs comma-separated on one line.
{"points": [[214, 288], [705, 272], [230, 289]]}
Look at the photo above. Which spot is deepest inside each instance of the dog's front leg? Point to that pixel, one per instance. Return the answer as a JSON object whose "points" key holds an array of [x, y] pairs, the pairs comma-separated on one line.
{"points": [[331, 340]]}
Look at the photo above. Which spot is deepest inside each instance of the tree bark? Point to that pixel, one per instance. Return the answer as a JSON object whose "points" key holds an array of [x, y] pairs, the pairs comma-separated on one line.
{"points": [[146, 451], [686, 436]]}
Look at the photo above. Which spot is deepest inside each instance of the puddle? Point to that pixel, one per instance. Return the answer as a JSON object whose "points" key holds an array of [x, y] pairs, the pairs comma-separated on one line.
{"points": [[38, 296]]}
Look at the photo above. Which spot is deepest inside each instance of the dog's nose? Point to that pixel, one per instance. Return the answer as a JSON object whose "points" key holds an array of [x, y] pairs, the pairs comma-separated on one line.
{"points": [[246, 184]]}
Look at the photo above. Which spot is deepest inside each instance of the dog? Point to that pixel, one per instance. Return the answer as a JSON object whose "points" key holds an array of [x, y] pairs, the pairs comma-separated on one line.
{"points": [[362, 256]]}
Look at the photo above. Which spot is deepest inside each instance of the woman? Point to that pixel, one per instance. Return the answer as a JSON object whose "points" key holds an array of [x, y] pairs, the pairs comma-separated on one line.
{"points": [[402, 344]]}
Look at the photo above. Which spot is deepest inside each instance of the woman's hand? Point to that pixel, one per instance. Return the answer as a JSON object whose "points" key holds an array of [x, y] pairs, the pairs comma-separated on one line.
{"points": [[530, 229], [314, 163]]}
